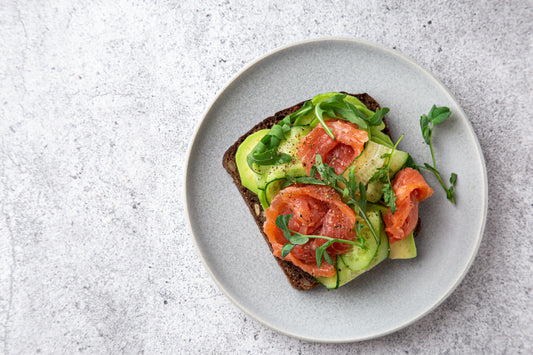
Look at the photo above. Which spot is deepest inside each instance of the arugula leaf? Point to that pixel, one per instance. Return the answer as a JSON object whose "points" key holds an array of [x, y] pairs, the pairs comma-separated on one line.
{"points": [[362, 197], [449, 194], [358, 229], [319, 114], [352, 182], [427, 122], [266, 151], [377, 118], [327, 173], [335, 106], [410, 163], [290, 180]]}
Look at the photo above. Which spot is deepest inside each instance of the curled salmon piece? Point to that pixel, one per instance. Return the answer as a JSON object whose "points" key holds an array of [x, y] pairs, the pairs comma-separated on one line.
{"points": [[410, 189], [339, 153], [316, 210]]}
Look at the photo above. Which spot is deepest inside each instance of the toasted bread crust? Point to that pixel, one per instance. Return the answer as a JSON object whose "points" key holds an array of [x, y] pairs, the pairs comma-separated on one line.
{"points": [[298, 278]]}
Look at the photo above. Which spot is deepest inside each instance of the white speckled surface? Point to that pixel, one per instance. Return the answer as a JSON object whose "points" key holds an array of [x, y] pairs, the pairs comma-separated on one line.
{"points": [[98, 104]]}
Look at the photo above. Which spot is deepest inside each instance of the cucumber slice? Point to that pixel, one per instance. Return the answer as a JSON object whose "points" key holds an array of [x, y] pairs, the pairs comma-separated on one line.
{"points": [[403, 249], [399, 159], [345, 274], [247, 175], [357, 261], [377, 208], [356, 258], [369, 161], [374, 191], [332, 282], [262, 198], [382, 254], [271, 190]]}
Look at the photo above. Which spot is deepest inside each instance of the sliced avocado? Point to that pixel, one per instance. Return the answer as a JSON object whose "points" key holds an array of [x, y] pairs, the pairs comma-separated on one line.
{"points": [[247, 175], [380, 137], [403, 249], [293, 168]]}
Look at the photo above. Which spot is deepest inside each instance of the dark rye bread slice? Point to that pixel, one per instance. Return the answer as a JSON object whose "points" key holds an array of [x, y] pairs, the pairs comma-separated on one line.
{"points": [[298, 278]]}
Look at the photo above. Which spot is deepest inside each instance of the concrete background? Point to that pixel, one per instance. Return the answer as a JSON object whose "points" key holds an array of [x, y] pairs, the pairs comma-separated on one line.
{"points": [[98, 103]]}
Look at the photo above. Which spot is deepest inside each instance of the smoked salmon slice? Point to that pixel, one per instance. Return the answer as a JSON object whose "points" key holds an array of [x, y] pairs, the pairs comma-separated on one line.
{"points": [[316, 210], [339, 153], [410, 189]]}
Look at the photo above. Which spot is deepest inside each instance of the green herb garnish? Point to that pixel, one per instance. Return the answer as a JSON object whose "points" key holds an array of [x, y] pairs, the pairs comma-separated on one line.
{"points": [[295, 238], [383, 175], [335, 106], [348, 192], [266, 151], [435, 116]]}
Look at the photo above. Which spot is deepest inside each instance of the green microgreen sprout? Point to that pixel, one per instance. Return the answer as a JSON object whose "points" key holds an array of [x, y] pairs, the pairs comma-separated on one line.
{"points": [[295, 238], [348, 192], [427, 122], [383, 175], [266, 151]]}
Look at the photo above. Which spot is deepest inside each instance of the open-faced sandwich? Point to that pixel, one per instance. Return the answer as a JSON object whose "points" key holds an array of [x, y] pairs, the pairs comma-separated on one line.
{"points": [[331, 193]]}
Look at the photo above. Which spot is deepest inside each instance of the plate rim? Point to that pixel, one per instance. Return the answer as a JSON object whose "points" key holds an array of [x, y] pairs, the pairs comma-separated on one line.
{"points": [[428, 74]]}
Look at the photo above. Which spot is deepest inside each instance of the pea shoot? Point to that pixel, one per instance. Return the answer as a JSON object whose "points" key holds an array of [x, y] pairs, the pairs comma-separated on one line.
{"points": [[427, 122], [295, 238], [348, 192]]}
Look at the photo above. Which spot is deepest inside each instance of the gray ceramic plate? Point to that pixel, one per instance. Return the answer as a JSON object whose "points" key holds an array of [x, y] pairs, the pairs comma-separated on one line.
{"points": [[394, 294]]}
